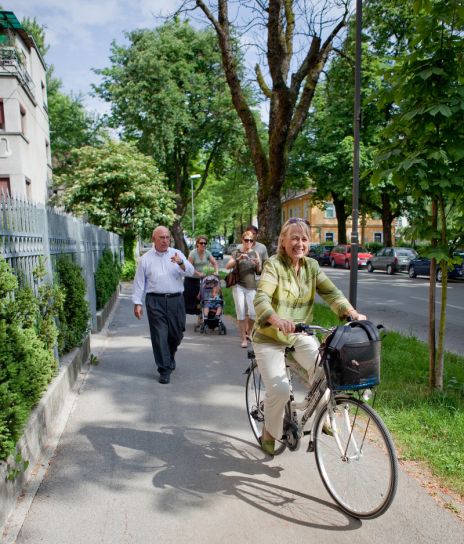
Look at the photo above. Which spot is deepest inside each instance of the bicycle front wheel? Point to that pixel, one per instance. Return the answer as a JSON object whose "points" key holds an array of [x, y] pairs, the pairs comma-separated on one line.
{"points": [[356, 457], [255, 392]]}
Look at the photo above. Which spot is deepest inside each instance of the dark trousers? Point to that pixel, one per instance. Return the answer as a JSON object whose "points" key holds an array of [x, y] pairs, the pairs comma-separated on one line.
{"points": [[166, 317]]}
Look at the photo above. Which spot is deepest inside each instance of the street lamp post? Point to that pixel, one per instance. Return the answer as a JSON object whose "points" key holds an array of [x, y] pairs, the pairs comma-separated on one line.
{"points": [[192, 177], [357, 122]]}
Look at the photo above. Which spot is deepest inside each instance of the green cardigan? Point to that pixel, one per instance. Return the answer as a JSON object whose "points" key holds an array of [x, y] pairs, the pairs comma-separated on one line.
{"points": [[290, 296]]}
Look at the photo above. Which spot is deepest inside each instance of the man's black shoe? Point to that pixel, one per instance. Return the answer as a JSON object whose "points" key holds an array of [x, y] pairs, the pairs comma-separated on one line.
{"points": [[164, 379]]}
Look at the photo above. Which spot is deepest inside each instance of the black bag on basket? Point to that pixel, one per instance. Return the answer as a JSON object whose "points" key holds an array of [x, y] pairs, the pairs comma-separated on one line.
{"points": [[353, 355], [232, 277]]}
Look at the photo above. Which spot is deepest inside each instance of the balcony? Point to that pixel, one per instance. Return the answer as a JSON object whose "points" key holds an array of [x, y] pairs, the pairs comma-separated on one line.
{"points": [[12, 64]]}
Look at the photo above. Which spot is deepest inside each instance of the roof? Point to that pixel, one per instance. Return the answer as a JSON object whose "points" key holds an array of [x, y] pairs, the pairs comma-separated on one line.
{"points": [[8, 20]]}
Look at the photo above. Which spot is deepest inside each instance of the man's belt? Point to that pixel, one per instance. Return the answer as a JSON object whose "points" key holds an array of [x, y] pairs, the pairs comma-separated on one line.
{"points": [[165, 295]]}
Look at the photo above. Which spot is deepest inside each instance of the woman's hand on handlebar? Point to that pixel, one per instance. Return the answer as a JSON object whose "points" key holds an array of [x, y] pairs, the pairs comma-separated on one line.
{"points": [[353, 315], [284, 325]]}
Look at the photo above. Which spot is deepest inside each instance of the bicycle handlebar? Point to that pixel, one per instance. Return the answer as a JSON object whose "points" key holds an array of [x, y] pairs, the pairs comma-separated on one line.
{"points": [[311, 329]]}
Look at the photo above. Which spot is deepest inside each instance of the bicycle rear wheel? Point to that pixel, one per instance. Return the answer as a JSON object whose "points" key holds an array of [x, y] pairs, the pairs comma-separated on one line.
{"points": [[356, 458], [255, 392]]}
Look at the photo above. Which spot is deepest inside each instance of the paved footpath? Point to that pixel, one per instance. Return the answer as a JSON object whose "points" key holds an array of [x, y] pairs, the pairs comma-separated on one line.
{"points": [[141, 462]]}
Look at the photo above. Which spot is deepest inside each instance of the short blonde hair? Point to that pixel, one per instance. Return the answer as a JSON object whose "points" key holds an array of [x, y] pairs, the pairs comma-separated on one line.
{"points": [[302, 224]]}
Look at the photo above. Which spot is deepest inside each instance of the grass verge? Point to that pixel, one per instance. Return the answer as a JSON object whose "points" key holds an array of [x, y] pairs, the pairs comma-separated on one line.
{"points": [[426, 426]]}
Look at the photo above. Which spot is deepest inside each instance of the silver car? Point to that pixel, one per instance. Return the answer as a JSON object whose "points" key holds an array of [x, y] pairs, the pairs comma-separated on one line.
{"points": [[392, 259]]}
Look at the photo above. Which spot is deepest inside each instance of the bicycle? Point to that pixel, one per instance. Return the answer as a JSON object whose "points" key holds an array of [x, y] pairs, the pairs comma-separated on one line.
{"points": [[355, 455]]}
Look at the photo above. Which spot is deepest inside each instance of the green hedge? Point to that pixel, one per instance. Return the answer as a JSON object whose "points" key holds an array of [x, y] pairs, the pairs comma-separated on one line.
{"points": [[74, 315], [128, 270], [27, 363], [107, 277]]}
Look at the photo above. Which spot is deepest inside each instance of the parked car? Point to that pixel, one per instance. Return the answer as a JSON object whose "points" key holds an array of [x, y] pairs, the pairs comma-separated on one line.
{"points": [[231, 247], [341, 256], [421, 267], [321, 253], [217, 250], [392, 259]]}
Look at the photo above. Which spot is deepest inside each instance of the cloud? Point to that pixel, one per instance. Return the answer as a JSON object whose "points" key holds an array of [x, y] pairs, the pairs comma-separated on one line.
{"points": [[80, 32]]}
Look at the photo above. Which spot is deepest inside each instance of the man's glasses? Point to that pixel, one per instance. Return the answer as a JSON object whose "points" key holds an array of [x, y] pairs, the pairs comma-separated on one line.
{"points": [[248, 240], [202, 243], [294, 220]]}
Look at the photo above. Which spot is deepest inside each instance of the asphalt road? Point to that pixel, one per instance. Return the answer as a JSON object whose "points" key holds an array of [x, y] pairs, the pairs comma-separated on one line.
{"points": [[401, 303], [141, 462]]}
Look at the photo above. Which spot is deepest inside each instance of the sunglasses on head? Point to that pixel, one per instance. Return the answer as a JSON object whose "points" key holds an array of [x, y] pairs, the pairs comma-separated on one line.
{"points": [[248, 239], [202, 243], [294, 220]]}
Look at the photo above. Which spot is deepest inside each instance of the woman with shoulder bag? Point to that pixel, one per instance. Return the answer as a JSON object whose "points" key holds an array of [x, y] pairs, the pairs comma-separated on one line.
{"points": [[248, 264]]}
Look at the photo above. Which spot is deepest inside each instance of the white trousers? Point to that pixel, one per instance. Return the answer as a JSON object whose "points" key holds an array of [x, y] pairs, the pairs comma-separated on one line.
{"points": [[271, 363], [243, 299]]}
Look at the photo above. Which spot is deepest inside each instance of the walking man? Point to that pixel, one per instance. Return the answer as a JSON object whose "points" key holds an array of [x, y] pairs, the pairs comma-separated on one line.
{"points": [[160, 274]]}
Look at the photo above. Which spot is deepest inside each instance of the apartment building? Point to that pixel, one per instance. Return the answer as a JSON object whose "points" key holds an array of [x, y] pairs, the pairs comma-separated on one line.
{"points": [[25, 155], [324, 221]]}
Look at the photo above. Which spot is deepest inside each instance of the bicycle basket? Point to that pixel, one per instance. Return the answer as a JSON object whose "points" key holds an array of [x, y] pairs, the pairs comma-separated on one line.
{"points": [[353, 356]]}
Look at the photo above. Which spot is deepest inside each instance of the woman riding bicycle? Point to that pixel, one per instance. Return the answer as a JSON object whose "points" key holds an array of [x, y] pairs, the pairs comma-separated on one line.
{"points": [[285, 296]]}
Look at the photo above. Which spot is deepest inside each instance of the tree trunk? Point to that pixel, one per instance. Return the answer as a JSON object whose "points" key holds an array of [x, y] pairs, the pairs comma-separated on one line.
{"points": [[128, 242], [178, 235], [290, 98], [269, 213], [444, 297], [432, 298], [387, 220], [339, 204]]}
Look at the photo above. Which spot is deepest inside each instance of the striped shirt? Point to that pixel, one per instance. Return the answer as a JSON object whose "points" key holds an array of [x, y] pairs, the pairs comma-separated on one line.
{"points": [[291, 296]]}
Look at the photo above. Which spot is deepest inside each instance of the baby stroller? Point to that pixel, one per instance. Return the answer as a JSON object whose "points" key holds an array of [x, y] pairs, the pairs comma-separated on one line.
{"points": [[212, 305]]}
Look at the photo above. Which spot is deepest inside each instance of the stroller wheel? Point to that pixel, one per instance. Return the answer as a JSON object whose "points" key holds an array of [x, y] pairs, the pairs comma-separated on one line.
{"points": [[222, 329]]}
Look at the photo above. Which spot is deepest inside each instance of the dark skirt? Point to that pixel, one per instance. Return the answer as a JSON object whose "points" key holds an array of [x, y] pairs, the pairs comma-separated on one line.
{"points": [[191, 291]]}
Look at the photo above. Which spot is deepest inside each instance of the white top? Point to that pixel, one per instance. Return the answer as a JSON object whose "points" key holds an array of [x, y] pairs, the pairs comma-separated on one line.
{"points": [[156, 273]]}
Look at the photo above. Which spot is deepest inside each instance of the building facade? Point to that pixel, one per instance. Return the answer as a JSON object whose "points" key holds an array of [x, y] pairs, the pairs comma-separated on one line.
{"points": [[324, 226], [25, 155]]}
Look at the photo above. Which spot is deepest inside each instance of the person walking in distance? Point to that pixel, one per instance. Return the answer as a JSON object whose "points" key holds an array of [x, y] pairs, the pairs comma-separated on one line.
{"points": [[260, 248], [247, 262], [159, 277]]}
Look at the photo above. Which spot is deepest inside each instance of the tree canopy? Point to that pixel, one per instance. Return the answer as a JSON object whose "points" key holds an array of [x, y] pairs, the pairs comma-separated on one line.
{"points": [[423, 146], [168, 94], [118, 188]]}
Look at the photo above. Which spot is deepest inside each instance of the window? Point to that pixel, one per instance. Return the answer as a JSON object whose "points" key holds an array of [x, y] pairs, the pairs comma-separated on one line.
{"points": [[329, 212], [5, 186], [378, 237], [22, 111], [329, 236], [47, 151], [28, 189], [44, 95], [2, 115]]}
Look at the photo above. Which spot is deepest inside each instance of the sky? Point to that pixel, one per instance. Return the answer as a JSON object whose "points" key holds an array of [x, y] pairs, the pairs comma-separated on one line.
{"points": [[80, 32]]}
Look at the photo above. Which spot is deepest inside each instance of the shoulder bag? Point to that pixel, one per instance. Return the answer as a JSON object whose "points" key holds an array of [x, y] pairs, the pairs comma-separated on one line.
{"points": [[232, 277]]}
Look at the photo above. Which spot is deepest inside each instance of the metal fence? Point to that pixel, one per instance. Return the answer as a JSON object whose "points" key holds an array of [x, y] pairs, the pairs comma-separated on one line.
{"points": [[31, 231]]}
